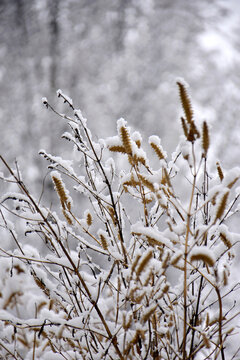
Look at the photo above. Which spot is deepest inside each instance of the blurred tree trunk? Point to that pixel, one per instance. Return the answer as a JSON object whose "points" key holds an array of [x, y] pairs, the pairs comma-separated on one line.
{"points": [[121, 24], [20, 18], [54, 41]]}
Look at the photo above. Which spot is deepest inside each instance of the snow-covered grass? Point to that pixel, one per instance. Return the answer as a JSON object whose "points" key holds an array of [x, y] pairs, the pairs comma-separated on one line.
{"points": [[143, 271]]}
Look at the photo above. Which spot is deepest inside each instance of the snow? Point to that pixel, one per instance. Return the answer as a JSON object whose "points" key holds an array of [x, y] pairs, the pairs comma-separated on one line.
{"points": [[58, 161], [116, 255], [65, 97], [14, 196], [139, 153], [113, 141], [137, 137], [154, 139], [68, 137], [183, 82], [121, 123], [63, 261], [87, 244], [80, 116], [57, 175], [203, 253], [153, 233], [186, 150], [49, 355]]}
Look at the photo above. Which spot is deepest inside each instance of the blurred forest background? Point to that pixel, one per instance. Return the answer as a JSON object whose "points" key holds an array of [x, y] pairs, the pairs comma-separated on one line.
{"points": [[116, 59]]}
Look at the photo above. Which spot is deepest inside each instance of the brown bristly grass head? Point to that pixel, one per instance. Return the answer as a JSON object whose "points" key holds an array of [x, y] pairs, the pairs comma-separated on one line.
{"points": [[148, 313], [118, 148], [138, 143], [103, 241], [220, 172], [202, 256], [186, 102], [146, 182], [189, 128], [233, 182], [205, 139], [144, 262], [158, 151], [59, 186], [222, 206], [126, 140], [225, 240], [89, 219]]}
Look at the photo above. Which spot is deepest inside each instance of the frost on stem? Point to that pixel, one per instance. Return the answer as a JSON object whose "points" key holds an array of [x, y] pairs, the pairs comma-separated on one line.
{"points": [[65, 97]]}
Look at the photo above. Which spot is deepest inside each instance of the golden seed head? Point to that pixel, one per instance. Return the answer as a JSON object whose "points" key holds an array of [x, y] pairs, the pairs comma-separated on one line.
{"points": [[220, 172], [89, 219], [61, 191], [186, 102], [205, 139], [176, 259], [146, 182], [103, 241], [126, 140], [116, 148], [135, 262], [144, 261], [222, 206], [233, 182], [158, 151], [138, 143], [225, 240], [165, 288], [150, 311], [203, 256]]}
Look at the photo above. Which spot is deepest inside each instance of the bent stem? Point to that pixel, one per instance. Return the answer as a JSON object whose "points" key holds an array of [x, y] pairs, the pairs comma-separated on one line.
{"points": [[188, 231], [220, 324]]}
